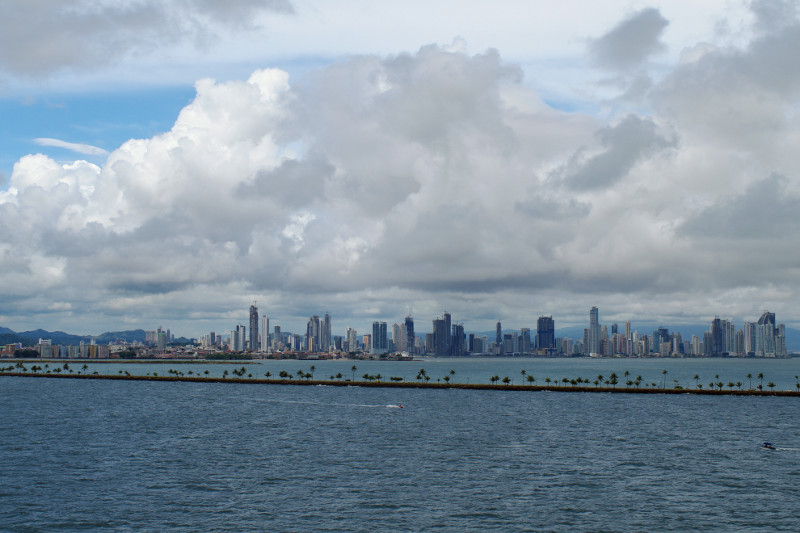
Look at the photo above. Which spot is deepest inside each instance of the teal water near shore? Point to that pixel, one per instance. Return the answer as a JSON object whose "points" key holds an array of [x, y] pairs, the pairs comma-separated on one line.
{"points": [[129, 455], [680, 372]]}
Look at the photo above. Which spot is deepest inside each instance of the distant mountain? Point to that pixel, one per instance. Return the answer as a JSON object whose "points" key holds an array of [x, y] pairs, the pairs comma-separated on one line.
{"points": [[136, 335], [28, 338]]}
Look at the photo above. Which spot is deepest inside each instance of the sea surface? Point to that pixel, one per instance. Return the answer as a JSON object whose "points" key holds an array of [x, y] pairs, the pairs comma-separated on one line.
{"points": [[87, 455]]}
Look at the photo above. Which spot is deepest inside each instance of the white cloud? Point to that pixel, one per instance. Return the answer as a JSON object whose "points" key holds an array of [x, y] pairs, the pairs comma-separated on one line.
{"points": [[86, 149], [430, 180]]}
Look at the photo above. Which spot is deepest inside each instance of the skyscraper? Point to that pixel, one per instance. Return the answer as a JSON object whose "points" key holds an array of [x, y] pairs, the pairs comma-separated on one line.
{"points": [[325, 334], [265, 345], [441, 336], [594, 331], [313, 334], [253, 327], [545, 333], [379, 338], [410, 337], [459, 340], [498, 339]]}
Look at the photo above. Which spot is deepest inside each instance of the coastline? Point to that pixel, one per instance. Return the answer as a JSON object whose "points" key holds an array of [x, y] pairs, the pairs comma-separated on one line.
{"points": [[412, 385]]}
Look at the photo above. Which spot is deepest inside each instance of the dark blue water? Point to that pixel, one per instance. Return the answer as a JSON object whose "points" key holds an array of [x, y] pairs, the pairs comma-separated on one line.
{"points": [[89, 455]]}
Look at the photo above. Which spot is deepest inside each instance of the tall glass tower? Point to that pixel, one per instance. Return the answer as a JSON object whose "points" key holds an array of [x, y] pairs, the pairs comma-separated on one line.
{"points": [[253, 327], [594, 331]]}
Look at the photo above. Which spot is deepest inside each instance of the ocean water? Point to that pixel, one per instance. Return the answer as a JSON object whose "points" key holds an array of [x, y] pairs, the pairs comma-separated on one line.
{"points": [[784, 373], [86, 455]]}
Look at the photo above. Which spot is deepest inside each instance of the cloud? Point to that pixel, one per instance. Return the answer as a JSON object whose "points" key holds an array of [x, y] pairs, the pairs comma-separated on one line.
{"points": [[623, 145], [38, 38], [427, 180], [80, 148], [631, 42]]}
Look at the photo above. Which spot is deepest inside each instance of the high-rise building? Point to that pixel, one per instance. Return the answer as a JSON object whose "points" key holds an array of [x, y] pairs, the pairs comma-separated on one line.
{"points": [[441, 338], [396, 337], [277, 338], [525, 340], [498, 337], [545, 333], [594, 331], [313, 334], [264, 342], [449, 336], [717, 344], [380, 340], [410, 336], [459, 340], [238, 338], [253, 328], [325, 334]]}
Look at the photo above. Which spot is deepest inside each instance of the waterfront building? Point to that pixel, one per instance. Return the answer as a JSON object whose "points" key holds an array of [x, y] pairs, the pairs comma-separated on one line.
{"points": [[594, 331], [398, 345], [441, 337], [411, 339], [264, 344], [253, 328], [459, 340], [525, 340], [379, 338], [325, 334], [545, 333]]}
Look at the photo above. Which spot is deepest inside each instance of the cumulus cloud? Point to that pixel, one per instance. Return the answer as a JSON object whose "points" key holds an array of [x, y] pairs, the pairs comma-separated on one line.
{"points": [[622, 145], [631, 42], [37, 38], [427, 180]]}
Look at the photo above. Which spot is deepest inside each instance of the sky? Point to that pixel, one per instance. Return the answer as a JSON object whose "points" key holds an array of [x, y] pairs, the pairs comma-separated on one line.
{"points": [[169, 162]]}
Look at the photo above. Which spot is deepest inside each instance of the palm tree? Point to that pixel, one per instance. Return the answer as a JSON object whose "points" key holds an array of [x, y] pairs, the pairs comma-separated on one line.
{"points": [[452, 374], [600, 378], [626, 374], [760, 377], [739, 385], [446, 379], [547, 380], [506, 380], [494, 379], [85, 367], [696, 379], [523, 372], [638, 381], [771, 385], [664, 385], [750, 380], [339, 376], [268, 375], [612, 379], [206, 373], [531, 379], [353, 369], [225, 374]]}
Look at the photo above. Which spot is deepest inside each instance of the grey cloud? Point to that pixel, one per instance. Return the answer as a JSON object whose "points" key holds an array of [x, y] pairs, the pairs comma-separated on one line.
{"points": [[631, 42], [766, 211], [625, 144], [773, 15], [39, 37], [295, 183]]}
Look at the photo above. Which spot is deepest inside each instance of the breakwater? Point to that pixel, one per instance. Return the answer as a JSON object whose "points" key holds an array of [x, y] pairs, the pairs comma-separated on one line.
{"points": [[414, 385]]}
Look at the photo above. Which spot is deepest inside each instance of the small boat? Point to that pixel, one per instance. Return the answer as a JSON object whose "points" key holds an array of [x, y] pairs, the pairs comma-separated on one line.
{"points": [[768, 446]]}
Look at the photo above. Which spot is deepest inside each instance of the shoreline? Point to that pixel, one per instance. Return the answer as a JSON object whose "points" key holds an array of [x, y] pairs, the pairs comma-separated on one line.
{"points": [[410, 385]]}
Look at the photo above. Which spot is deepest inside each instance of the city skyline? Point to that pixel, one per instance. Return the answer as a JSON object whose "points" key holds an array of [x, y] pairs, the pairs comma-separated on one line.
{"points": [[499, 162]]}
